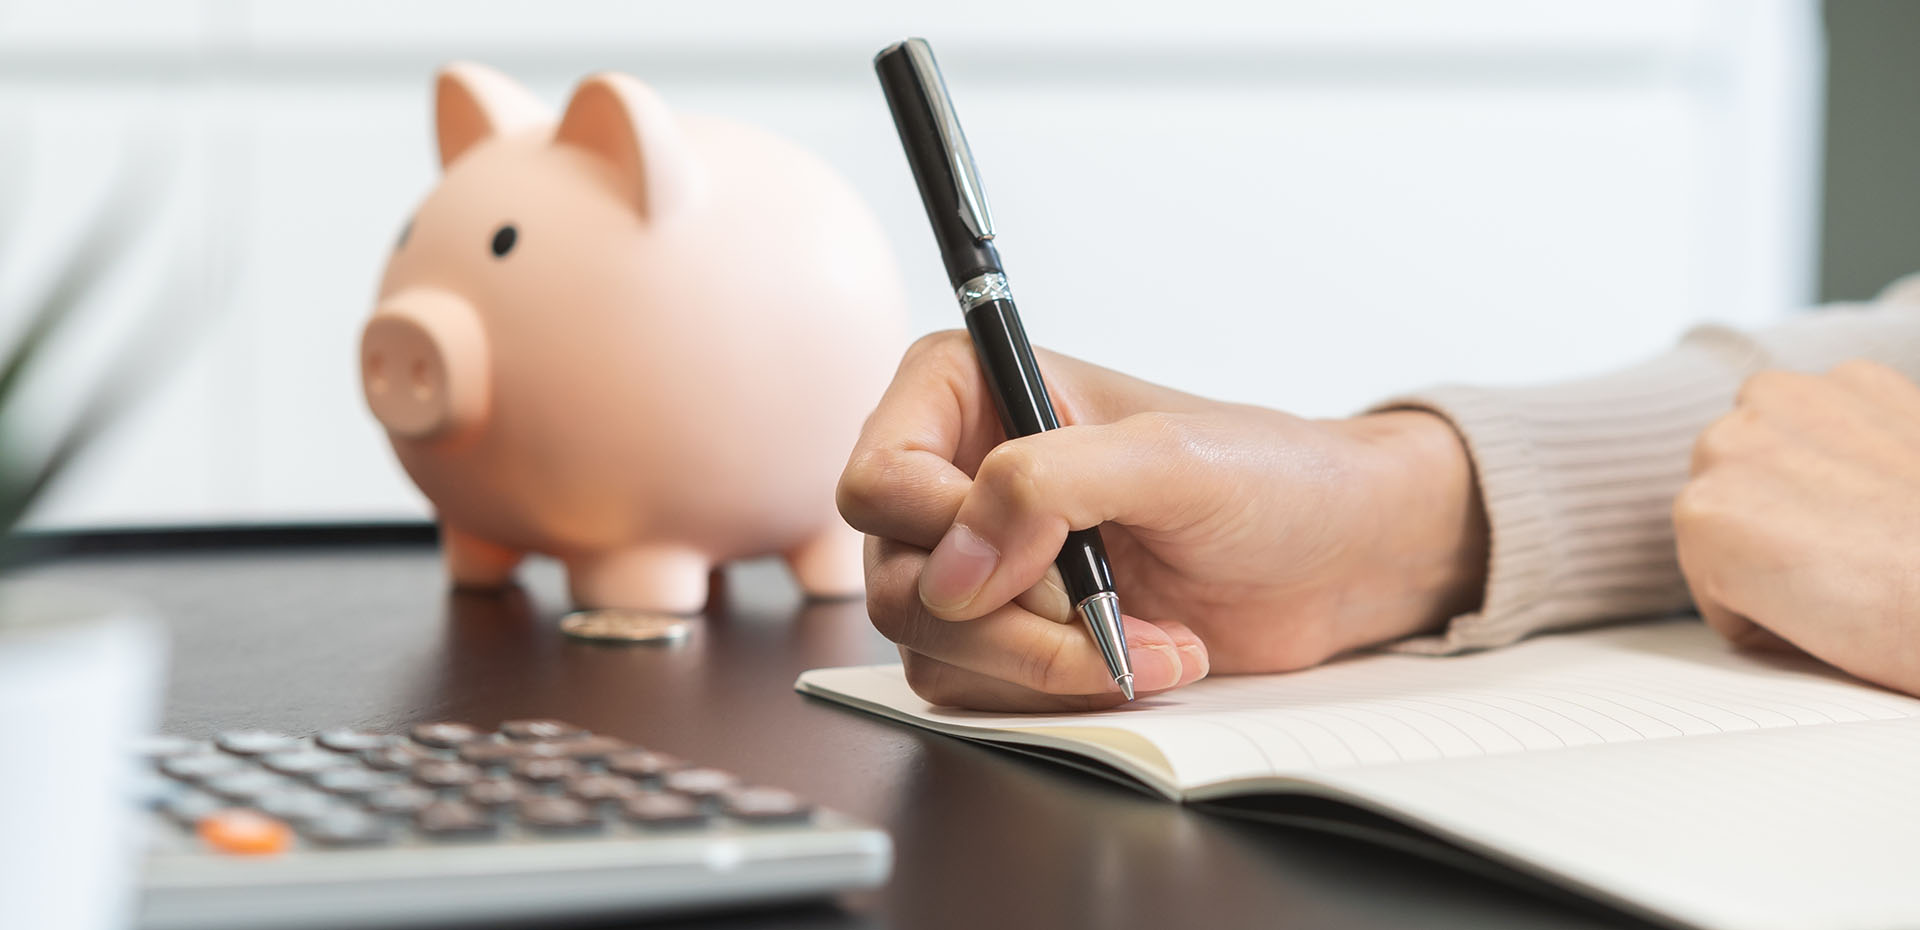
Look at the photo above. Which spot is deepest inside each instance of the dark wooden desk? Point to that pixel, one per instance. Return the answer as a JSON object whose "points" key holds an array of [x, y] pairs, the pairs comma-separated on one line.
{"points": [[296, 631]]}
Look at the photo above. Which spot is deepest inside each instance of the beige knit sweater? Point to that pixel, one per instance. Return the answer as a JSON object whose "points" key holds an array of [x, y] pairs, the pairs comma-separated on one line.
{"points": [[1579, 478]]}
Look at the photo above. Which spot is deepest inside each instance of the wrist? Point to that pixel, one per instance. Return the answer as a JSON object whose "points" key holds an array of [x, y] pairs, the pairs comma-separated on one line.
{"points": [[1430, 527]]}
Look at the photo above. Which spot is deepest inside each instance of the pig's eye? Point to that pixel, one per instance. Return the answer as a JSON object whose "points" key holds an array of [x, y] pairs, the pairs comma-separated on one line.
{"points": [[405, 231], [503, 240]]}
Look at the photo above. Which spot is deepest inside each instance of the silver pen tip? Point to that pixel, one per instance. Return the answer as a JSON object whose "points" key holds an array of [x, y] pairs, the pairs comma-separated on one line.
{"points": [[1126, 685]]}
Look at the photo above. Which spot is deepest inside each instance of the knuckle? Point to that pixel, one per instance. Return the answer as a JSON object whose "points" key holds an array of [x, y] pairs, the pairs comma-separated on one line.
{"points": [[937, 346], [1699, 504], [1772, 387], [1012, 474], [1862, 369]]}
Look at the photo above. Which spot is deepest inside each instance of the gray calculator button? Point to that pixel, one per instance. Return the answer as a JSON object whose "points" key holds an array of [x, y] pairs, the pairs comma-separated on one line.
{"points": [[356, 782], [498, 792], [659, 809], [255, 742], [639, 763], [346, 827], [298, 806], [596, 788], [399, 758], [488, 753], [195, 768], [546, 770], [540, 729], [700, 783], [244, 785], [187, 809], [304, 763], [444, 735], [405, 799], [453, 820], [764, 805], [555, 814], [446, 774], [354, 740]]}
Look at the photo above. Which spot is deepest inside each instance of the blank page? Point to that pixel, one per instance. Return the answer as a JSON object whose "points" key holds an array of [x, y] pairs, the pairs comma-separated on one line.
{"points": [[1807, 827], [1609, 685]]}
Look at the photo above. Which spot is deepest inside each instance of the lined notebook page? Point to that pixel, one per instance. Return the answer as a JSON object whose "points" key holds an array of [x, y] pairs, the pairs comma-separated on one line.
{"points": [[1784, 828], [1610, 685]]}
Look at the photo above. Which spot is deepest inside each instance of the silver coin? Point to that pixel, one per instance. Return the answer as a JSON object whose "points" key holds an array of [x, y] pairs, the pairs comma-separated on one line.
{"points": [[625, 626]]}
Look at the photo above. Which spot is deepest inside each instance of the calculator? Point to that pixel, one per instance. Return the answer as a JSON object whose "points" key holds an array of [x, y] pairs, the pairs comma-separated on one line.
{"points": [[449, 823]]}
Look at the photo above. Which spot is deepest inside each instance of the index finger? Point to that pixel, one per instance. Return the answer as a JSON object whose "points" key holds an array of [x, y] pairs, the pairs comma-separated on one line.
{"points": [[905, 478]]}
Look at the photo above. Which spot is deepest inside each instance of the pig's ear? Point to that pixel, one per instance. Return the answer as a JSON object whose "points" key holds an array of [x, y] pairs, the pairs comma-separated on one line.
{"points": [[473, 103], [624, 122]]}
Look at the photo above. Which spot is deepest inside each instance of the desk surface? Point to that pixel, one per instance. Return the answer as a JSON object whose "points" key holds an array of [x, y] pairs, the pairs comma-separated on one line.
{"points": [[291, 632]]}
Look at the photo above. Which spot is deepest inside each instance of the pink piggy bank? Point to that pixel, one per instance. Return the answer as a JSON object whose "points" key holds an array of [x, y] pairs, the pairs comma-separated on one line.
{"points": [[638, 341]]}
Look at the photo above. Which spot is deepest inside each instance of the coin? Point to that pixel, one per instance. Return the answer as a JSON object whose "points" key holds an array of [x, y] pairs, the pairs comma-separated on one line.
{"points": [[625, 626]]}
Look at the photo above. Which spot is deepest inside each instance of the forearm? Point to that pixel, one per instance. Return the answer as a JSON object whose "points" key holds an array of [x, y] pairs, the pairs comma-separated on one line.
{"points": [[1578, 479]]}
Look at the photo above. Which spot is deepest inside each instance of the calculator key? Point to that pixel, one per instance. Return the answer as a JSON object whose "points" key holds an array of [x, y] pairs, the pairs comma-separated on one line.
{"points": [[488, 753], [346, 827], [555, 814], [406, 799], [595, 788], [700, 783], [546, 770], [540, 729], [244, 785], [255, 742], [444, 735], [188, 808], [160, 747], [498, 792], [659, 809], [399, 758], [304, 763], [298, 806], [354, 740], [453, 820], [589, 749], [356, 782], [243, 832], [764, 805], [150, 789], [446, 774], [196, 768], [639, 763]]}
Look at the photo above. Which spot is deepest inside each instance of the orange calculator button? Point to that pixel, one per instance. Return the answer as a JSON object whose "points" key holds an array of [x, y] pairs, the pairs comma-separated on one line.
{"points": [[244, 833]]}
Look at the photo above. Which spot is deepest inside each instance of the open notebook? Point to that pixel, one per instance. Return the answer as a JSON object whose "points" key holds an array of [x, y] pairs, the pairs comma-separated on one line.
{"points": [[1649, 765]]}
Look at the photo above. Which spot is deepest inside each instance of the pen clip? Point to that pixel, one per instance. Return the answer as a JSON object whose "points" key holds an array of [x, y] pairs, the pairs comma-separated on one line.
{"points": [[966, 179]]}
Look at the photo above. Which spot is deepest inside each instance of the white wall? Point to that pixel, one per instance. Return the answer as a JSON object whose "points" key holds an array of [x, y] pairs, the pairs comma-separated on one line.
{"points": [[1317, 203]]}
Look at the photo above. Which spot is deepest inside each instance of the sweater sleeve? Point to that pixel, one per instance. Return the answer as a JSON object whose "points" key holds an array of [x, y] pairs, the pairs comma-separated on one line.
{"points": [[1579, 478]]}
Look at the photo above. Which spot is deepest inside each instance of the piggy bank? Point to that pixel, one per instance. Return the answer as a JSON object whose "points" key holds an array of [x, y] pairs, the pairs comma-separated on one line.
{"points": [[639, 341]]}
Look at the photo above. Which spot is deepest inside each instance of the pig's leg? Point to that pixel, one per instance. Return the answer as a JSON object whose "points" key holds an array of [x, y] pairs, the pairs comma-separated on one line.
{"points": [[668, 578], [476, 563], [829, 565]]}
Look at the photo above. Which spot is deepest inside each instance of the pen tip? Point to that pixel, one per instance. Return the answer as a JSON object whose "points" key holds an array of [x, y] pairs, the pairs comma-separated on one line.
{"points": [[1126, 685]]}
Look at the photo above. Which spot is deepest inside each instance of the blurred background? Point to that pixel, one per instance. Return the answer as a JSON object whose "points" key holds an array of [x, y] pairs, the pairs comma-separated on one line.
{"points": [[1340, 200]]}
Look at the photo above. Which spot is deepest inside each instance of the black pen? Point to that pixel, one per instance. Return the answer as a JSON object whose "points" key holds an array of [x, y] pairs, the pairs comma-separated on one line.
{"points": [[957, 208]]}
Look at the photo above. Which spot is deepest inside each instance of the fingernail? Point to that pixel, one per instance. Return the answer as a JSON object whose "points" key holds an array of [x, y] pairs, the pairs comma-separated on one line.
{"points": [[1193, 658], [957, 568], [1155, 668]]}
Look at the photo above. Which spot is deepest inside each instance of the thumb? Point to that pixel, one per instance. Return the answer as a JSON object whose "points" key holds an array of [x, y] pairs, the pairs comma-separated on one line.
{"points": [[1030, 492]]}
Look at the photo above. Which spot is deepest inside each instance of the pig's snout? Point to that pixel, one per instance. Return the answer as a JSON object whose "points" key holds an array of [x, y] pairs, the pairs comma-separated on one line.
{"points": [[423, 365]]}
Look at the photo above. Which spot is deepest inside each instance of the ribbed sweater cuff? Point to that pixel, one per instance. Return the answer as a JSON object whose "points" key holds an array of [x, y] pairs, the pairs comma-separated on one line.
{"points": [[1578, 481], [1579, 478]]}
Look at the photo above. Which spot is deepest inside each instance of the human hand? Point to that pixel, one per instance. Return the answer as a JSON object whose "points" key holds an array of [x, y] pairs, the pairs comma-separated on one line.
{"points": [[1801, 525], [1241, 539]]}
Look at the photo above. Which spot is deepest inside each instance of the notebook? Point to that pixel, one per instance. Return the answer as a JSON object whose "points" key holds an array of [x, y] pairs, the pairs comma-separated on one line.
{"points": [[1649, 766]]}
